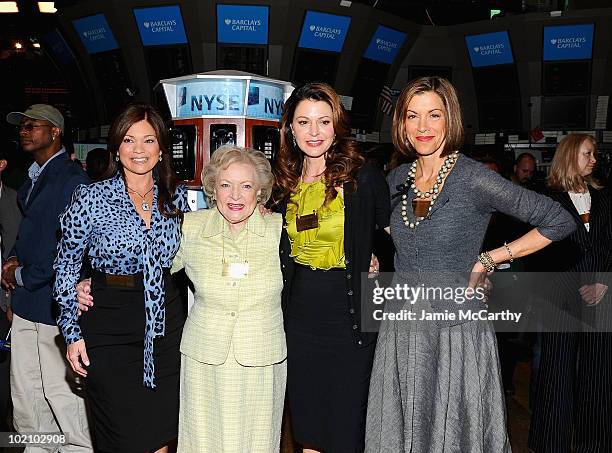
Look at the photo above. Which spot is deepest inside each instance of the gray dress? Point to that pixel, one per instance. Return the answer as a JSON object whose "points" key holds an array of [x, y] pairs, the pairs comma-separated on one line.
{"points": [[436, 386]]}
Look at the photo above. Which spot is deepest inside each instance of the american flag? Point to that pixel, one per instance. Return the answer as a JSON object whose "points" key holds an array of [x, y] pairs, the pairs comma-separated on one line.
{"points": [[385, 100]]}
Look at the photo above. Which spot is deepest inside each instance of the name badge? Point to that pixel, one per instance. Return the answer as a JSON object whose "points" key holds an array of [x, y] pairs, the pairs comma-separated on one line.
{"points": [[235, 270], [307, 222]]}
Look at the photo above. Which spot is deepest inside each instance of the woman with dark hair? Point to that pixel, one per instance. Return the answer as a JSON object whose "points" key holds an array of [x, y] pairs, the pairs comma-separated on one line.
{"points": [[332, 203], [436, 385], [572, 408], [128, 346]]}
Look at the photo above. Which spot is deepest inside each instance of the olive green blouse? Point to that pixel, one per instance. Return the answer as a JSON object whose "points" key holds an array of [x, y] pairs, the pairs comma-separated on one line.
{"points": [[321, 247]]}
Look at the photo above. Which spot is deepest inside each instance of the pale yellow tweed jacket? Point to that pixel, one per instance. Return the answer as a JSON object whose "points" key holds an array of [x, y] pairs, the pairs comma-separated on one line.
{"points": [[245, 312]]}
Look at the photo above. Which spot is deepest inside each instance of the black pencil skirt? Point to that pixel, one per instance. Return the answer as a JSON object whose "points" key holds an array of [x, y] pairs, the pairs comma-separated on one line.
{"points": [[328, 376], [127, 416]]}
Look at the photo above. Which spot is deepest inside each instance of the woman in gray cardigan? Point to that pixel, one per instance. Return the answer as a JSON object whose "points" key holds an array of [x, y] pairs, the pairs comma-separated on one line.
{"points": [[436, 385]]}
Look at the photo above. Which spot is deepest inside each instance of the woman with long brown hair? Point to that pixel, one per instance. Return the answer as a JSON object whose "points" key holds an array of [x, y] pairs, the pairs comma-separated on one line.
{"points": [[572, 408], [128, 346], [332, 203]]}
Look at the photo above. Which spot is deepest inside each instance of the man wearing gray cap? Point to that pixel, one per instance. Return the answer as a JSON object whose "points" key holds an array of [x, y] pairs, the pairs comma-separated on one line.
{"points": [[42, 383]]}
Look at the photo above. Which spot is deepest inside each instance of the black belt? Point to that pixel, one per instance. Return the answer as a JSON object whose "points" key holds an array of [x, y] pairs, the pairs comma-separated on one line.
{"points": [[125, 281]]}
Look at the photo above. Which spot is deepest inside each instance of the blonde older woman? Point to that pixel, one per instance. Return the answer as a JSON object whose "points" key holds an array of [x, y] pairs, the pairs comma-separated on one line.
{"points": [[233, 369]]}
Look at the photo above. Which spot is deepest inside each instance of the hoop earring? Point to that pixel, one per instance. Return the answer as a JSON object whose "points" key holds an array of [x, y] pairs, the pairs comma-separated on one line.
{"points": [[117, 157]]}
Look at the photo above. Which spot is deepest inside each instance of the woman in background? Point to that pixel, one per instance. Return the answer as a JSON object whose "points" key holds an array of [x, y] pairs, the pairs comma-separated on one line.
{"points": [[332, 202], [573, 398]]}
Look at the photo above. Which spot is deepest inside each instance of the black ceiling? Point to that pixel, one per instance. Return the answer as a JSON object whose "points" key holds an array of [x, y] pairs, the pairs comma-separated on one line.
{"points": [[438, 12]]}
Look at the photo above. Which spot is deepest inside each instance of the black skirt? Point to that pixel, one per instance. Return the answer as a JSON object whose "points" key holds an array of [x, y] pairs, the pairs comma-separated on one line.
{"points": [[328, 376], [127, 416]]}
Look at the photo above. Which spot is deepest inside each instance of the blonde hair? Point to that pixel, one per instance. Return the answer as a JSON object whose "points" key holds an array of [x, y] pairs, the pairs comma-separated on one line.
{"points": [[227, 155], [564, 172], [452, 113]]}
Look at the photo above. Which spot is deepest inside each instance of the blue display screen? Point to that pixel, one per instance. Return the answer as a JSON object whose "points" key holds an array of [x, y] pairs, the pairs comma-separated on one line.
{"points": [[59, 48], [237, 24], [385, 44], [95, 33], [211, 98], [568, 42], [324, 31], [161, 25], [266, 100], [489, 49]]}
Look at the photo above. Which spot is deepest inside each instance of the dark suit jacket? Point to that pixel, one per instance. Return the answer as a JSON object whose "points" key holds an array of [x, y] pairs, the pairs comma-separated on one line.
{"points": [[364, 210], [584, 257], [584, 251], [10, 217], [36, 244]]}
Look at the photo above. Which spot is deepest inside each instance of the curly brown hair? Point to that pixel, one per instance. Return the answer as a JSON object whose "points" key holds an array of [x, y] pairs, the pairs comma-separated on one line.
{"points": [[163, 173], [342, 160]]}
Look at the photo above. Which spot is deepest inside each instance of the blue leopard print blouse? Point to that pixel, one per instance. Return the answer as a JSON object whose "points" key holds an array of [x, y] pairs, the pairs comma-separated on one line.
{"points": [[102, 220]]}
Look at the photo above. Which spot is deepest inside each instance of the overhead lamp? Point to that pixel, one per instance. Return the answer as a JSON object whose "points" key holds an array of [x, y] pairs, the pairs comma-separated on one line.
{"points": [[47, 7], [8, 7], [36, 45], [18, 45]]}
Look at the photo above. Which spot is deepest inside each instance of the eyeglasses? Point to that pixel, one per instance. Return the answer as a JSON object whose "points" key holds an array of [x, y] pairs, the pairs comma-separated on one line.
{"points": [[30, 127]]}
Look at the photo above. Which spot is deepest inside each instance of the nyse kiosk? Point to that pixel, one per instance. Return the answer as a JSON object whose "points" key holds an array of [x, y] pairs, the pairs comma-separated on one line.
{"points": [[215, 108]]}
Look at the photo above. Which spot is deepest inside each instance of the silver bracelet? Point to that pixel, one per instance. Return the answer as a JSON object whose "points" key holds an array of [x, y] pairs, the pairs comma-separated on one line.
{"points": [[509, 252]]}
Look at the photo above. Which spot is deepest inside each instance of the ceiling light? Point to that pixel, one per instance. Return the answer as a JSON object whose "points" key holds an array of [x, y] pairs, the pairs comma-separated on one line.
{"points": [[18, 45], [47, 7], [8, 7], [36, 45]]}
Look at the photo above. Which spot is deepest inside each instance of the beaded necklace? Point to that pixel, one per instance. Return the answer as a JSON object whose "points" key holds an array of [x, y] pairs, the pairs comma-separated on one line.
{"points": [[433, 192]]}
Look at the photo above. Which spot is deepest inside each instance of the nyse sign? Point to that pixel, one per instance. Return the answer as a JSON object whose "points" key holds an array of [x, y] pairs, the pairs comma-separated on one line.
{"points": [[211, 98], [227, 98]]}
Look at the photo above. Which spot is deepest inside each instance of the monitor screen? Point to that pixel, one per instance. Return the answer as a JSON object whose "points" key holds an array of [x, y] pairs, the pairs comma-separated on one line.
{"points": [[489, 49], [568, 42], [242, 24], [565, 112], [59, 47], [566, 77], [160, 25], [95, 33], [324, 31], [314, 66], [385, 44]]}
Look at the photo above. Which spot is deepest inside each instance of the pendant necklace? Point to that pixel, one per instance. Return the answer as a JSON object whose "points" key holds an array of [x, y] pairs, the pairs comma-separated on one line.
{"points": [[433, 192], [144, 205]]}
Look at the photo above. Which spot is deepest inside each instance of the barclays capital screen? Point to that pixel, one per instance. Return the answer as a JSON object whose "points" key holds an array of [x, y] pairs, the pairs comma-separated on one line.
{"points": [[568, 42], [242, 24], [162, 25], [385, 44], [489, 49], [323, 31], [95, 33]]}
